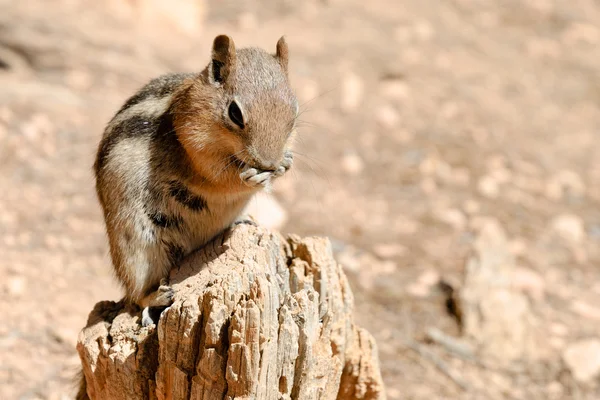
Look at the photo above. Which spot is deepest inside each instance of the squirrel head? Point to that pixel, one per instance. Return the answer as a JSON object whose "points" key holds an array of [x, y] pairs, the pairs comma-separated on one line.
{"points": [[240, 108]]}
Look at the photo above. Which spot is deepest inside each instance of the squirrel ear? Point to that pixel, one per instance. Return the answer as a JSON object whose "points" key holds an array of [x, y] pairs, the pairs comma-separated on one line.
{"points": [[282, 54], [223, 59]]}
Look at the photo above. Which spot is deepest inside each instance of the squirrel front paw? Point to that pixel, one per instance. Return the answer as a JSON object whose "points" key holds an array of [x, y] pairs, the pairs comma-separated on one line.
{"points": [[254, 177], [286, 164]]}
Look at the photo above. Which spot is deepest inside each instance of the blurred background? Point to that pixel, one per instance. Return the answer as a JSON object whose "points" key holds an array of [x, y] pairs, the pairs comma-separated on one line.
{"points": [[450, 150]]}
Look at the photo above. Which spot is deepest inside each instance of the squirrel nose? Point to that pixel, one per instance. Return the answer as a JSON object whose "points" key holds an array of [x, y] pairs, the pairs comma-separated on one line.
{"points": [[265, 162]]}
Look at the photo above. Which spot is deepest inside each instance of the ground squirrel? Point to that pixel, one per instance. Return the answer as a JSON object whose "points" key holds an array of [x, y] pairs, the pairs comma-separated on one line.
{"points": [[181, 159]]}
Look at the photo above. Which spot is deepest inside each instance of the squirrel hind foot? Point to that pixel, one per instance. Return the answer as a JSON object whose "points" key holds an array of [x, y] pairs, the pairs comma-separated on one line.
{"points": [[161, 297], [155, 303]]}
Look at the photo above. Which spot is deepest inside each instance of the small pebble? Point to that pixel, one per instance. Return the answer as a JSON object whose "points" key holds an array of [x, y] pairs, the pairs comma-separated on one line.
{"points": [[570, 227], [488, 187], [16, 285], [352, 164], [583, 359]]}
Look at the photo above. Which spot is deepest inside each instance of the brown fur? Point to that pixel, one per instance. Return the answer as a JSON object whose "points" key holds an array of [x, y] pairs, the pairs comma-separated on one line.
{"points": [[173, 170], [81, 387], [177, 129]]}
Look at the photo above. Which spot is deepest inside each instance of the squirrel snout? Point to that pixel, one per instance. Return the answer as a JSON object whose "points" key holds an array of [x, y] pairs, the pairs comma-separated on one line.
{"points": [[267, 166], [256, 163], [264, 162]]}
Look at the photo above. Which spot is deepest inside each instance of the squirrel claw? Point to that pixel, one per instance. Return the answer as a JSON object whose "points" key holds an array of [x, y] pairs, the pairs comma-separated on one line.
{"points": [[254, 177], [286, 164], [288, 160], [280, 171]]}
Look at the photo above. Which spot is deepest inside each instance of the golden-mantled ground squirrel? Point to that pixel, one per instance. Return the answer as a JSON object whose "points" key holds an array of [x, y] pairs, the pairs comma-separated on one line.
{"points": [[181, 159]]}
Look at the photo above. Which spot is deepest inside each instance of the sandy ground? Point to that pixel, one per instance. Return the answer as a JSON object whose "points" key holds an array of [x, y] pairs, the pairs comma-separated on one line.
{"points": [[454, 142]]}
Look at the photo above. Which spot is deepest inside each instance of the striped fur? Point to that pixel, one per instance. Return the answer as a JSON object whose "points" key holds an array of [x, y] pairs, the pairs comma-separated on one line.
{"points": [[169, 166]]}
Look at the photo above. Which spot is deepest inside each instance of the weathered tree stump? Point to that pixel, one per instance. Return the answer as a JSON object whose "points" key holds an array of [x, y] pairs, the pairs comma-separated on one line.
{"points": [[256, 316]]}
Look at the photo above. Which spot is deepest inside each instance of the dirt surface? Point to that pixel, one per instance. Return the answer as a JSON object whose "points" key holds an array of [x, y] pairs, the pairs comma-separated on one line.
{"points": [[452, 141]]}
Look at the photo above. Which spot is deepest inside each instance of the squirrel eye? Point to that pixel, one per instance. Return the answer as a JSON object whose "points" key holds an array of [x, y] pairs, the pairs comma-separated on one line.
{"points": [[235, 114]]}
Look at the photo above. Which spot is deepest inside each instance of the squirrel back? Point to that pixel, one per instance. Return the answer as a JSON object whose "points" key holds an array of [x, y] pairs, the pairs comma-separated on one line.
{"points": [[182, 157]]}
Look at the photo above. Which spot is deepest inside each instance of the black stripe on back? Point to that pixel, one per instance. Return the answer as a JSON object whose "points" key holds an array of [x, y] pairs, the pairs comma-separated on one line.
{"points": [[184, 196], [138, 125], [162, 220], [135, 126]]}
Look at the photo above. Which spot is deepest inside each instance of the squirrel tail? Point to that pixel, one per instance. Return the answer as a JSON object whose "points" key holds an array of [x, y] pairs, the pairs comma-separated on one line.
{"points": [[82, 387]]}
